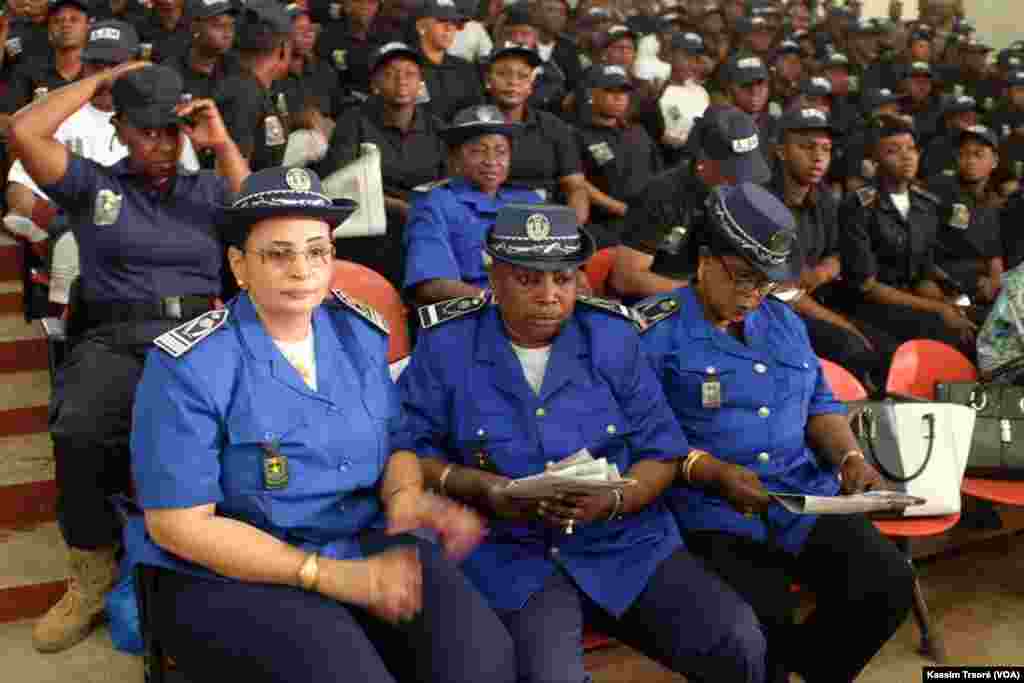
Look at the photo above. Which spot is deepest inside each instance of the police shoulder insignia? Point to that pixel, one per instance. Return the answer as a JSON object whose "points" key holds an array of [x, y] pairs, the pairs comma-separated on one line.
{"points": [[653, 312], [613, 307], [867, 196], [921, 192], [443, 311], [367, 312], [178, 341], [432, 185], [949, 172]]}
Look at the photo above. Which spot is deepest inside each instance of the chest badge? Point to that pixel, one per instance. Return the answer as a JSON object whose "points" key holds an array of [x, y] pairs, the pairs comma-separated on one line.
{"points": [[711, 391], [108, 207], [340, 59], [960, 217], [13, 47], [602, 153], [273, 131], [275, 467]]}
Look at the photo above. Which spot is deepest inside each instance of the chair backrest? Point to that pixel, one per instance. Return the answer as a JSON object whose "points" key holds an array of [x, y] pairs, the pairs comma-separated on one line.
{"points": [[918, 365], [373, 289], [845, 386], [598, 268]]}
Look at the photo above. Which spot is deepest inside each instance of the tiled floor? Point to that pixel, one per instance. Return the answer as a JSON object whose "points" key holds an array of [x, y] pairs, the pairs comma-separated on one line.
{"points": [[977, 598]]}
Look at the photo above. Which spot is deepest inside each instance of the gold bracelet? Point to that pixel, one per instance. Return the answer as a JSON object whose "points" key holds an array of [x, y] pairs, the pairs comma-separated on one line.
{"points": [[309, 572], [691, 460], [444, 478], [849, 454]]}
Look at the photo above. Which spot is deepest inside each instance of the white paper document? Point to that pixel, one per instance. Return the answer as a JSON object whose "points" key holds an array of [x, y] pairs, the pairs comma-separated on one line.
{"points": [[870, 501], [579, 473]]}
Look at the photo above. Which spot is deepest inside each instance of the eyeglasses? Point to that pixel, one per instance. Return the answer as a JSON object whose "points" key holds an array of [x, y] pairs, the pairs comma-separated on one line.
{"points": [[747, 284], [316, 257]]}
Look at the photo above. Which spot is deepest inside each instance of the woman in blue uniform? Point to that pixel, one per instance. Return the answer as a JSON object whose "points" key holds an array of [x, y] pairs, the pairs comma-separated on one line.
{"points": [[150, 258], [499, 387], [739, 372], [263, 462]]}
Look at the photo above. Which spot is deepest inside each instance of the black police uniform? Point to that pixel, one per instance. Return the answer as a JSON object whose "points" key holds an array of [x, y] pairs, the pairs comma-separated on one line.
{"points": [[1003, 119], [316, 85], [26, 42], [940, 156], [31, 80], [566, 55], [165, 44], [198, 84], [348, 54], [451, 86], [968, 234], [549, 87], [253, 119], [877, 241], [545, 152]]}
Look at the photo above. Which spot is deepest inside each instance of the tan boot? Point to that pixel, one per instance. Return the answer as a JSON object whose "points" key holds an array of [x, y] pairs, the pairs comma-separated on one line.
{"points": [[93, 573]]}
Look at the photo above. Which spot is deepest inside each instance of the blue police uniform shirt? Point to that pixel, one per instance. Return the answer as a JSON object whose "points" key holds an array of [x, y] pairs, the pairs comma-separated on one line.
{"points": [[136, 245], [769, 389], [465, 393], [444, 237], [202, 421]]}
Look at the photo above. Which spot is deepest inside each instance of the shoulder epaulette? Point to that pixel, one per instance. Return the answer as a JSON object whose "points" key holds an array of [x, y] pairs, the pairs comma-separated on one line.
{"points": [[930, 196], [613, 307], [653, 312], [433, 185], [181, 339], [443, 311], [867, 196], [367, 312]]}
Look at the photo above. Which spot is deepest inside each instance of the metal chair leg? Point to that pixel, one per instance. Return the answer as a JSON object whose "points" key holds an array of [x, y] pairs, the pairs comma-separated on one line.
{"points": [[932, 644]]}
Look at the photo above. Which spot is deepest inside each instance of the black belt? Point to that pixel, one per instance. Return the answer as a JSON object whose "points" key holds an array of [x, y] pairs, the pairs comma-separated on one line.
{"points": [[98, 313]]}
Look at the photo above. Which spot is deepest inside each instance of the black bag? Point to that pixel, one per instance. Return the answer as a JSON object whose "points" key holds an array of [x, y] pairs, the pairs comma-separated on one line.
{"points": [[997, 447]]}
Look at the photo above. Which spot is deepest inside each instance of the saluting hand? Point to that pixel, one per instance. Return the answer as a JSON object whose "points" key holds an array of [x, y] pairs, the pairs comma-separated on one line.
{"points": [[204, 127], [111, 75]]}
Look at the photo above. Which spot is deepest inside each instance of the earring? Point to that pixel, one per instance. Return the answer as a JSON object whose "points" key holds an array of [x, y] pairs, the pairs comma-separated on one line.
{"points": [[241, 284]]}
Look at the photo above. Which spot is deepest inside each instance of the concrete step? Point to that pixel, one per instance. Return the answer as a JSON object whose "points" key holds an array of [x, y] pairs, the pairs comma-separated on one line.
{"points": [[22, 345], [94, 660], [33, 569], [28, 493], [10, 259], [10, 298]]}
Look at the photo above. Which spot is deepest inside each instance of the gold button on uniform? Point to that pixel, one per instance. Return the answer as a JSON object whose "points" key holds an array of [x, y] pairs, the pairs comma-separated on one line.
{"points": [[763, 411], [541, 412]]}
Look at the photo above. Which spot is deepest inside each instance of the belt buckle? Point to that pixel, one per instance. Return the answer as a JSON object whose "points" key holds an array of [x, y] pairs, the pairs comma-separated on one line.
{"points": [[171, 306]]}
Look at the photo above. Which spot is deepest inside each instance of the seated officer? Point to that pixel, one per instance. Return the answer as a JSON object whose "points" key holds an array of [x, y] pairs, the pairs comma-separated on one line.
{"points": [[747, 389], [746, 83], [444, 237], [852, 166], [924, 103], [665, 216], [450, 83], [958, 112], [969, 248], [1008, 113], [887, 245], [803, 155], [208, 59], [496, 388], [619, 157], [349, 38]]}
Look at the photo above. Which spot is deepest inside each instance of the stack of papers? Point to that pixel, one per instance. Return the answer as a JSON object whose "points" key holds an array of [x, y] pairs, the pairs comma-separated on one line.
{"points": [[870, 501], [579, 473]]}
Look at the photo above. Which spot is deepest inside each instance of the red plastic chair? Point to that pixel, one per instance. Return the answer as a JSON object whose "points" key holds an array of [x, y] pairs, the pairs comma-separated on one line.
{"points": [[918, 365], [598, 268], [845, 386], [373, 289]]}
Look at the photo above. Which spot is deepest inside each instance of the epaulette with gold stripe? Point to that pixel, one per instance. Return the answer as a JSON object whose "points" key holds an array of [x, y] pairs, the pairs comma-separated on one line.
{"points": [[443, 311], [653, 312], [364, 311], [613, 307]]}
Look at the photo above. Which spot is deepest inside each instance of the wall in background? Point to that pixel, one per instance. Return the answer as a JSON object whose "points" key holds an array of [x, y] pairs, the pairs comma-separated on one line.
{"points": [[998, 21]]}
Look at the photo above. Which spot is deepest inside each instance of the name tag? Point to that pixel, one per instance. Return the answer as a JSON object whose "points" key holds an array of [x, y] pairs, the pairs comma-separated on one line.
{"points": [[711, 393], [602, 153], [273, 131]]}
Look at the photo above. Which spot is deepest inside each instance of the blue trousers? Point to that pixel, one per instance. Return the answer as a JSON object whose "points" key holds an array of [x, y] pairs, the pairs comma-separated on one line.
{"points": [[686, 618], [251, 632]]}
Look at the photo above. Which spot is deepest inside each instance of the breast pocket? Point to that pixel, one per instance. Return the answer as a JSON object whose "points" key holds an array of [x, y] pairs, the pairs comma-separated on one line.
{"points": [[491, 438], [251, 437], [695, 394]]}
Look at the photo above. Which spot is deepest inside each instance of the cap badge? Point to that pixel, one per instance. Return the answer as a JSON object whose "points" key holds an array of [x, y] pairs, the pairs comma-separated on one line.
{"points": [[105, 33], [780, 243], [484, 115], [885, 92], [815, 114], [750, 63], [538, 227], [298, 179], [820, 82], [445, 3], [744, 145]]}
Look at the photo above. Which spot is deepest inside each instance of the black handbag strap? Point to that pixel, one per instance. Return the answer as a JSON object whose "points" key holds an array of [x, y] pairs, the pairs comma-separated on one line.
{"points": [[891, 476]]}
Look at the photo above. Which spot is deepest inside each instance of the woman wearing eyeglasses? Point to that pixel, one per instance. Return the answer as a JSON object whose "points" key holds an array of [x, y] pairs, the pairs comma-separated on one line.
{"points": [[739, 372], [275, 503]]}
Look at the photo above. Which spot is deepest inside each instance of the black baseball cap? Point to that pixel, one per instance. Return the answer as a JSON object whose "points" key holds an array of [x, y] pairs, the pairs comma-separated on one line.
{"points": [[983, 133], [442, 10], [608, 77], [385, 53], [84, 5], [816, 86], [876, 97], [260, 22], [147, 97], [744, 69], [508, 49], [205, 9], [798, 119], [887, 126], [111, 42], [730, 137], [688, 42], [519, 15]]}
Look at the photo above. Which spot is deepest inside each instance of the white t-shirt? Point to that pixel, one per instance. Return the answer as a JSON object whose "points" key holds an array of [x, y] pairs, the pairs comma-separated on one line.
{"points": [[545, 50], [90, 134], [680, 106], [472, 43], [902, 203], [535, 364], [302, 356]]}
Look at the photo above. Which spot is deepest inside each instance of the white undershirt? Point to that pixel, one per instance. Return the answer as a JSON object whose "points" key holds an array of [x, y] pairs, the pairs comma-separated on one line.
{"points": [[535, 364], [302, 356], [902, 203]]}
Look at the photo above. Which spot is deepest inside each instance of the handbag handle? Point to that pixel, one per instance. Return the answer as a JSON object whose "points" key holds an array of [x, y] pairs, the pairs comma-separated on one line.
{"points": [[930, 419]]}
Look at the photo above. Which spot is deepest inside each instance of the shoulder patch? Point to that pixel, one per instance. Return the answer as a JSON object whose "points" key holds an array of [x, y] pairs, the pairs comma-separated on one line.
{"points": [[930, 196], [654, 312], [867, 196], [181, 339], [613, 307], [367, 312], [432, 185], [443, 311]]}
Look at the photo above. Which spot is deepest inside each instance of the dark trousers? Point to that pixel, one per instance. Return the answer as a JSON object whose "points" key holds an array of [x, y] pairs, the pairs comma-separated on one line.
{"points": [[871, 366], [256, 633], [686, 618], [90, 423], [861, 582], [902, 323]]}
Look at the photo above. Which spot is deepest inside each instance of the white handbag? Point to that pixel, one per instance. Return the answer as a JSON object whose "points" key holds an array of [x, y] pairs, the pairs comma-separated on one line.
{"points": [[919, 448], [362, 182]]}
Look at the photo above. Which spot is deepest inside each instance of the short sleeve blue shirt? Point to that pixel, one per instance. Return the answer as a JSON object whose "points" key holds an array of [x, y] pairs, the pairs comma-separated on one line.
{"points": [[202, 423], [465, 393], [769, 388], [444, 237], [138, 244]]}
